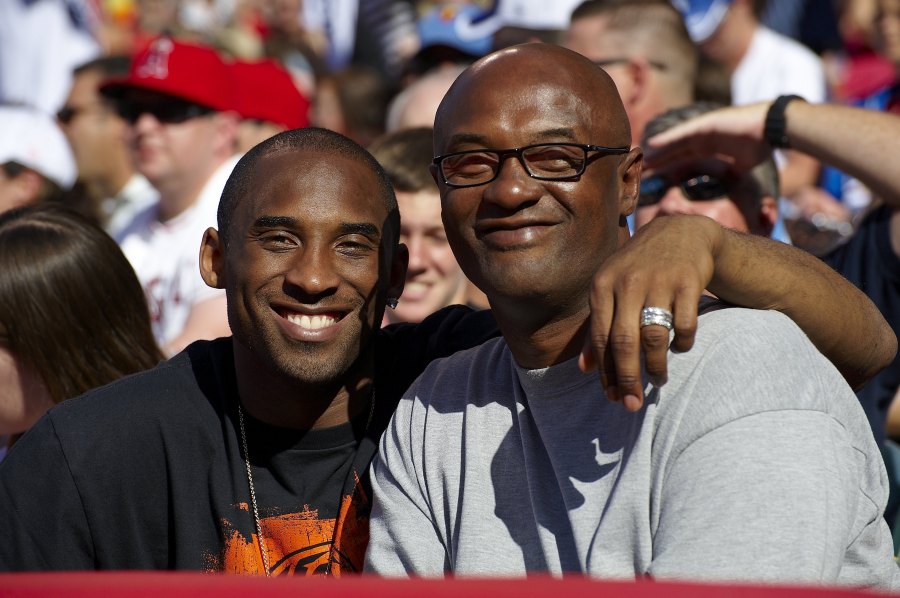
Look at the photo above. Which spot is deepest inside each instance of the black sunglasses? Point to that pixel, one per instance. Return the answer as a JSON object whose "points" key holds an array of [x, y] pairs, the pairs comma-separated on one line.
{"points": [[167, 111], [699, 188]]}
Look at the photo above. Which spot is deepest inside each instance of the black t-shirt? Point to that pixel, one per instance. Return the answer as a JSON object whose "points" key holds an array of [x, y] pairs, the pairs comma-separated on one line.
{"points": [[148, 472], [869, 262]]}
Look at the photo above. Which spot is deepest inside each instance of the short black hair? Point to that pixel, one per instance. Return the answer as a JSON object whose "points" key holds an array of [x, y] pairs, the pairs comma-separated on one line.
{"points": [[314, 139]]}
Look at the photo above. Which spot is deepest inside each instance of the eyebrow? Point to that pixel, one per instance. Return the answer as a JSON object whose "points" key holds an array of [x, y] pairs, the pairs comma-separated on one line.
{"points": [[460, 138], [565, 133], [347, 228], [274, 222], [361, 228]]}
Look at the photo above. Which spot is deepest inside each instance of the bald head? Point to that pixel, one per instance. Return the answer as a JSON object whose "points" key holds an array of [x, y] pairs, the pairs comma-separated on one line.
{"points": [[531, 73]]}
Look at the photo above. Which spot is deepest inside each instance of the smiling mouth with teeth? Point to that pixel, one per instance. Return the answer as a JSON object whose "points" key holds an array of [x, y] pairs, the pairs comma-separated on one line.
{"points": [[316, 322]]}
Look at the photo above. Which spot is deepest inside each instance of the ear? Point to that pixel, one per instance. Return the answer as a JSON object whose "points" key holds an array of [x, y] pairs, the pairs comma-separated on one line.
{"points": [[227, 129], [398, 272], [639, 76], [212, 259], [768, 214], [629, 174]]}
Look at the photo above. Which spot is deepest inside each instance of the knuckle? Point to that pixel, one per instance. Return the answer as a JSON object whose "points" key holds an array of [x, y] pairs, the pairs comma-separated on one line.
{"points": [[628, 380], [599, 339], [622, 342], [655, 339], [629, 279]]}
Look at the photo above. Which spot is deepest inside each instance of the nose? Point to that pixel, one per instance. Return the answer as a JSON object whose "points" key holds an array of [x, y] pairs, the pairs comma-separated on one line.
{"points": [[513, 186], [145, 122], [313, 273], [415, 244]]}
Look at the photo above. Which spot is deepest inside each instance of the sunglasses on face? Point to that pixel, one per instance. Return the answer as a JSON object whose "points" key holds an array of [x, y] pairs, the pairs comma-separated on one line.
{"points": [[167, 112], [699, 188]]}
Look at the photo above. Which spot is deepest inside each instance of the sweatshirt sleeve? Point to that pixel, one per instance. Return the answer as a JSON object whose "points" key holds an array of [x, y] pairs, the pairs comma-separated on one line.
{"points": [[770, 496], [771, 476], [402, 538]]}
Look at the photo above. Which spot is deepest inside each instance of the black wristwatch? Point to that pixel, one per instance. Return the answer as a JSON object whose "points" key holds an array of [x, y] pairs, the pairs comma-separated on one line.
{"points": [[775, 132]]}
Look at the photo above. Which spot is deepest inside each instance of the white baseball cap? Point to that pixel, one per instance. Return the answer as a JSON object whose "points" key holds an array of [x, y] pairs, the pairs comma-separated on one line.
{"points": [[33, 139]]}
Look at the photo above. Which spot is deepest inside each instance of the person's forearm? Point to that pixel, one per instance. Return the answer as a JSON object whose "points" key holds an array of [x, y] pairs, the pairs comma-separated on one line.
{"points": [[840, 320], [863, 143]]}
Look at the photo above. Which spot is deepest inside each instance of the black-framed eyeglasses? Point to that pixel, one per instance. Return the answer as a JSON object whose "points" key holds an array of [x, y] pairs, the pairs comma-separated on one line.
{"points": [[613, 61], [699, 188], [166, 111], [543, 161]]}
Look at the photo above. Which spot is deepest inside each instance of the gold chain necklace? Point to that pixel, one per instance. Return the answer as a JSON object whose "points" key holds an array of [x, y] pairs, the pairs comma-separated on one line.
{"points": [[259, 533]]}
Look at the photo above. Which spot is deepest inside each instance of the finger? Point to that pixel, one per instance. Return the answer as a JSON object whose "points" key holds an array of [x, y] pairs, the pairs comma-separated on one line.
{"points": [[602, 303], [685, 310], [587, 360], [655, 344], [625, 348], [609, 380]]}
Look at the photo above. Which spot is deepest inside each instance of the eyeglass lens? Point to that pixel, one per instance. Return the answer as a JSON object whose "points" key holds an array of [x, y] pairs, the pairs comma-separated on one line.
{"points": [[558, 161]]}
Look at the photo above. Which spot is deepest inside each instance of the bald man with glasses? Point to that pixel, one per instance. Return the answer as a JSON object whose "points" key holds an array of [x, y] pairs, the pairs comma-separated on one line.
{"points": [[500, 460]]}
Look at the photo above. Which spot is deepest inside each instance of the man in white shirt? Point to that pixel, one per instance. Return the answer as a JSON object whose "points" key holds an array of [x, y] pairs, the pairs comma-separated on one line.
{"points": [[178, 101]]}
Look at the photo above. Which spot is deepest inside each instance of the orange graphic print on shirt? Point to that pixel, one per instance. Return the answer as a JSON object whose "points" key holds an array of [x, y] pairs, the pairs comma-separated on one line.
{"points": [[300, 543]]}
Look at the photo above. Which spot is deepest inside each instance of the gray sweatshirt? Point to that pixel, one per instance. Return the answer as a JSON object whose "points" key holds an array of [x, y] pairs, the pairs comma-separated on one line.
{"points": [[754, 462]]}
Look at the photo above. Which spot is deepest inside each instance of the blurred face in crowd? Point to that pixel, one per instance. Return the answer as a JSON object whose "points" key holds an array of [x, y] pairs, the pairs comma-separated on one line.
{"points": [[433, 277], [175, 144], [708, 190], [590, 37], [95, 132], [887, 29]]}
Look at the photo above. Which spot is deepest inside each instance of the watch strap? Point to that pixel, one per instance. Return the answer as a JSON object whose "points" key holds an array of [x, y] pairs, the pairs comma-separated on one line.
{"points": [[775, 131]]}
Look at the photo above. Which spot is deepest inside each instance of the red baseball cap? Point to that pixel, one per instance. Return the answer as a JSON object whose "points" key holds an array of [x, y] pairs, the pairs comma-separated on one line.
{"points": [[265, 91], [186, 71]]}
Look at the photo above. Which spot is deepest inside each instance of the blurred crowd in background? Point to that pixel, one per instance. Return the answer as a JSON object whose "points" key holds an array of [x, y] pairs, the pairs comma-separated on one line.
{"points": [[133, 112]]}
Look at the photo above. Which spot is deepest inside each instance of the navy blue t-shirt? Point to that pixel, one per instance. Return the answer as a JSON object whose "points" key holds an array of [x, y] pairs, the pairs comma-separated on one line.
{"points": [[869, 262]]}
